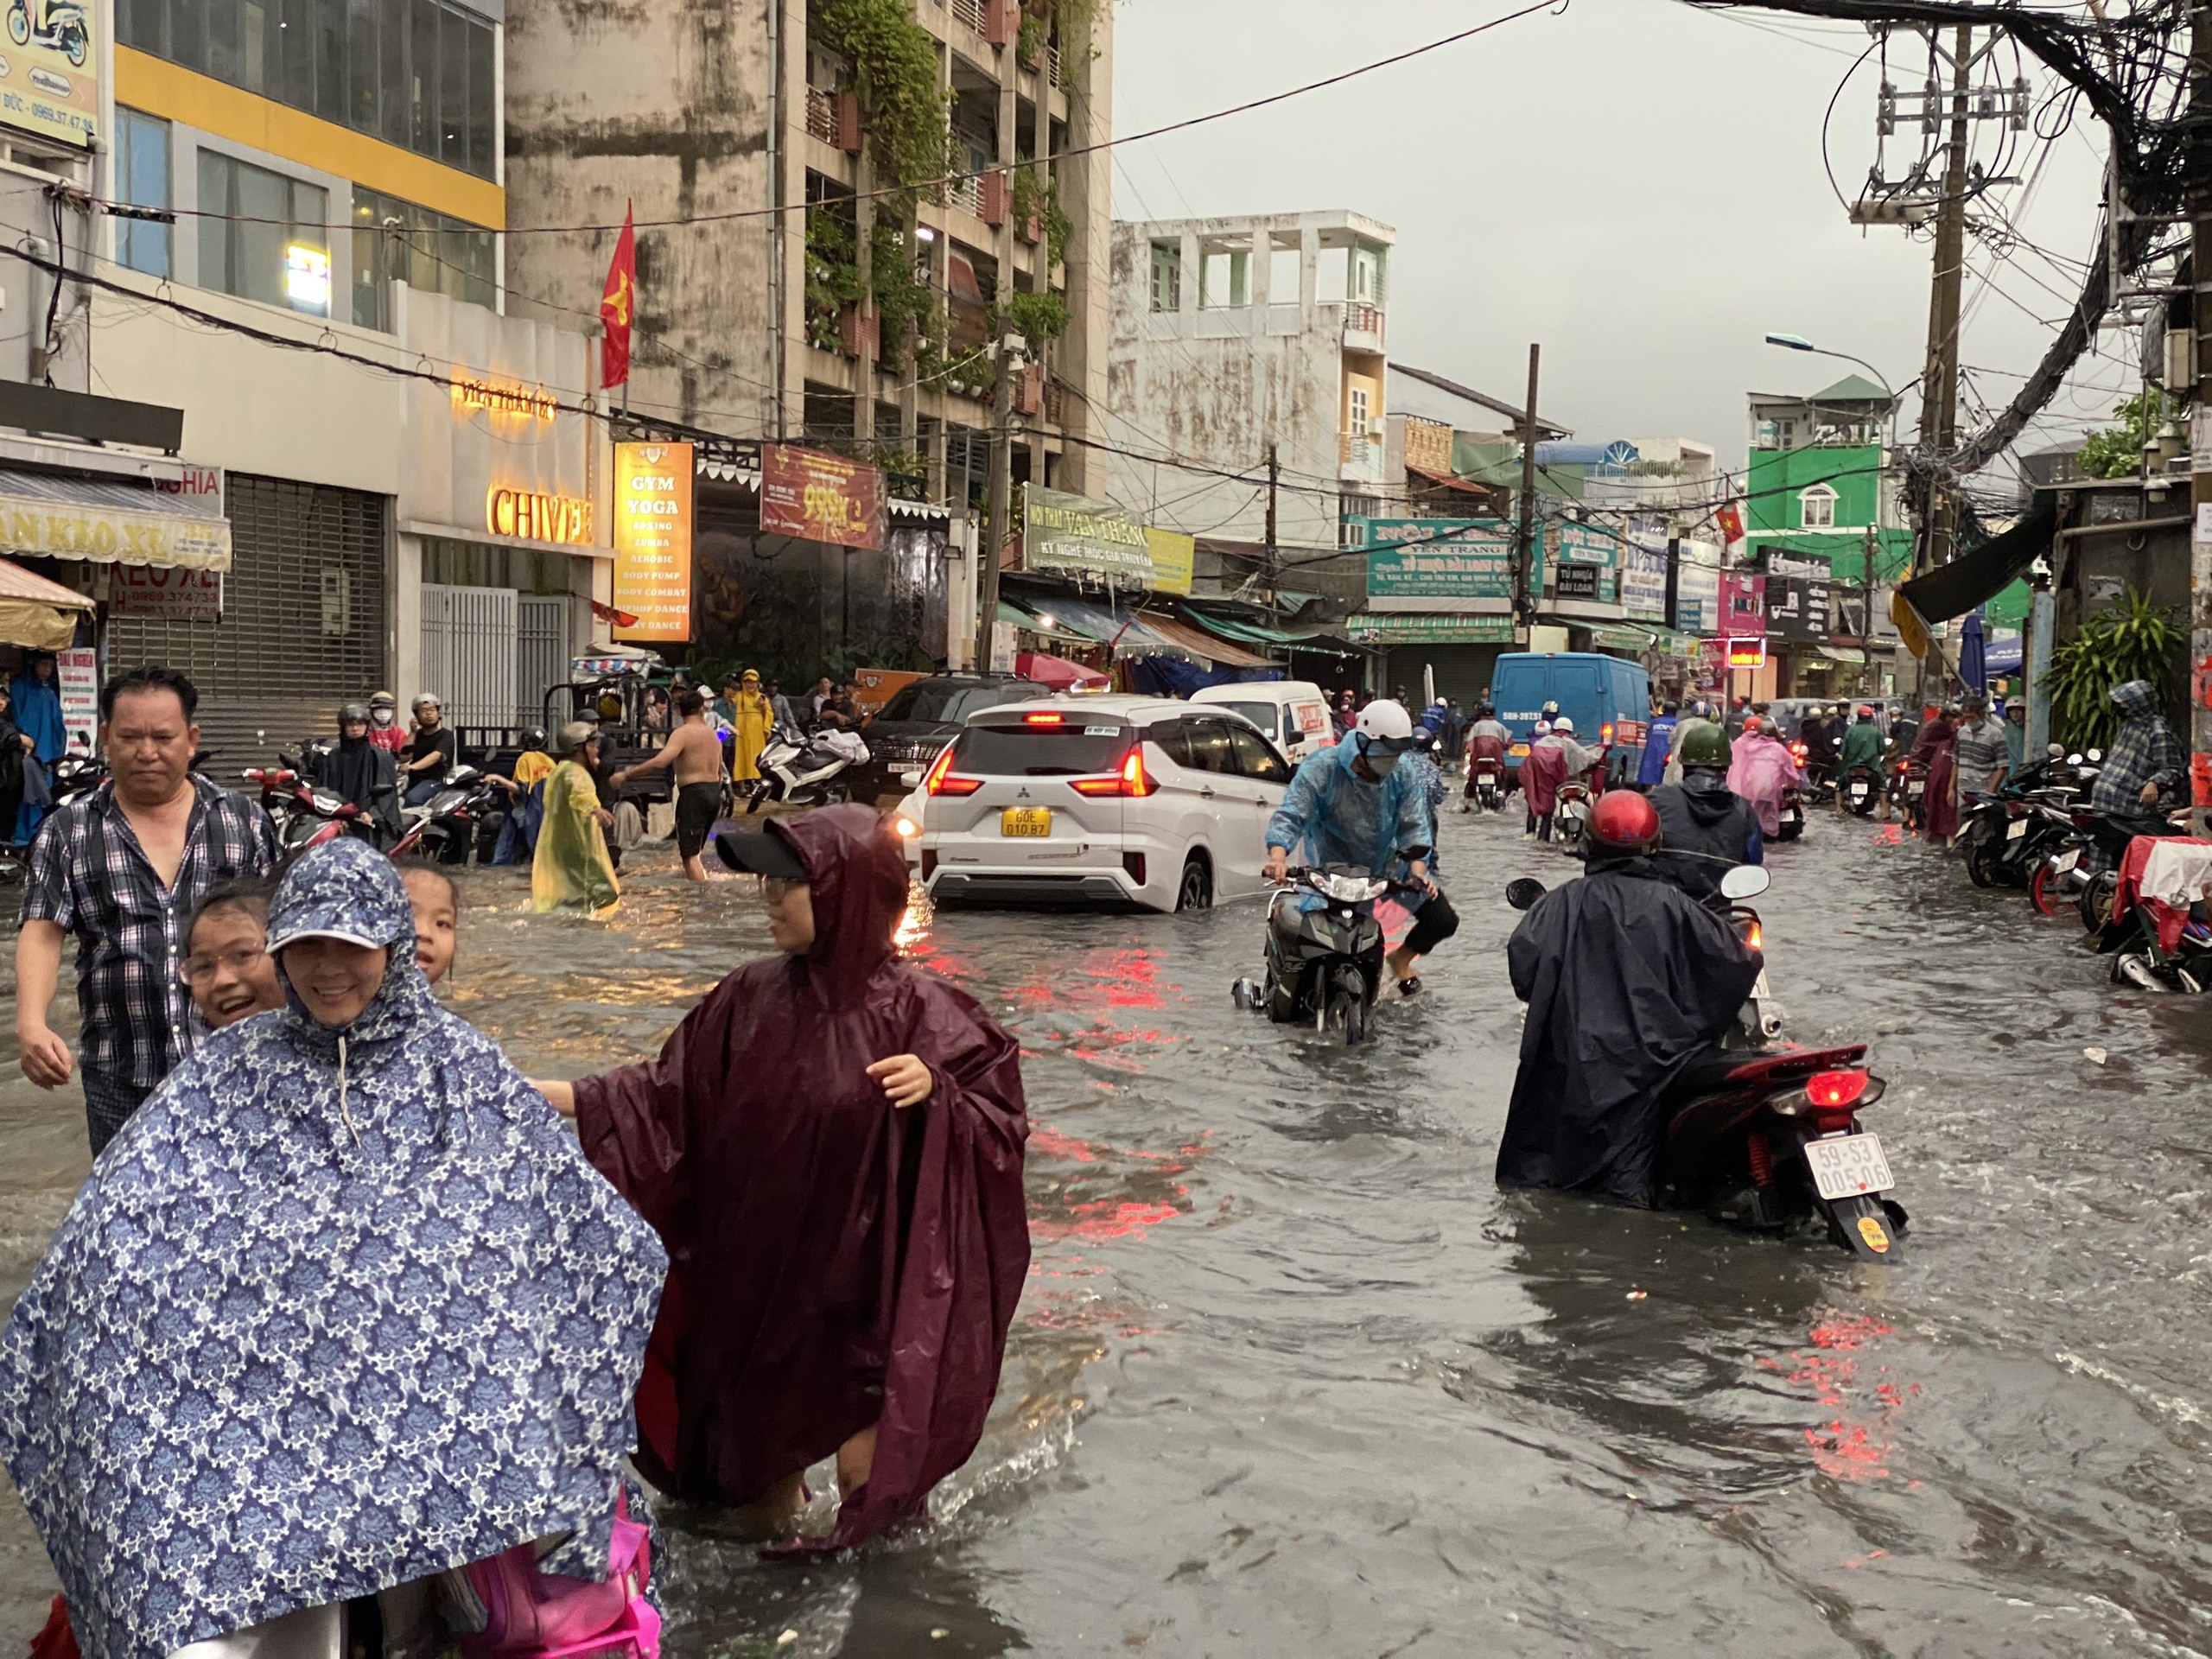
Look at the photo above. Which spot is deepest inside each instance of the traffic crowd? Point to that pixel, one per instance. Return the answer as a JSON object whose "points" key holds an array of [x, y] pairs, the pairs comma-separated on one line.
{"points": [[346, 1339]]}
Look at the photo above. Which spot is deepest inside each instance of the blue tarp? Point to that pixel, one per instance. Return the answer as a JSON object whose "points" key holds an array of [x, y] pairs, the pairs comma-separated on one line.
{"points": [[1171, 676]]}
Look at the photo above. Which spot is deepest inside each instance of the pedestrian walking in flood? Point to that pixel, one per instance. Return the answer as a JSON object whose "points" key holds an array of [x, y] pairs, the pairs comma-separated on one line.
{"points": [[415, 1317], [831, 1145], [123, 867], [572, 868], [693, 754]]}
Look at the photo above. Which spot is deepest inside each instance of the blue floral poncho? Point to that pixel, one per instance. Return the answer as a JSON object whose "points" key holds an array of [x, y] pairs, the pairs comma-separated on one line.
{"points": [[336, 1311]]}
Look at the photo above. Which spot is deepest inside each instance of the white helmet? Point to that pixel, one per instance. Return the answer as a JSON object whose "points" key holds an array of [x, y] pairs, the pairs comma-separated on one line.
{"points": [[1386, 726], [1562, 723]]}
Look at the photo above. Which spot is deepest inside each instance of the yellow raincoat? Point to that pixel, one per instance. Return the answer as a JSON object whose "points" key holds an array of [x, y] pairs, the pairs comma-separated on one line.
{"points": [[571, 869], [754, 718]]}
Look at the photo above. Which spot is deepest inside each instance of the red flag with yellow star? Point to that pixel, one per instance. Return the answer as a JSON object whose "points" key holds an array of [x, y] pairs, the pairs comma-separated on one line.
{"points": [[618, 304]]}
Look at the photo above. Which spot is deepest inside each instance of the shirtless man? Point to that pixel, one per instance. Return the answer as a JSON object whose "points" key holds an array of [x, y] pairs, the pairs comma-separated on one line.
{"points": [[695, 754]]}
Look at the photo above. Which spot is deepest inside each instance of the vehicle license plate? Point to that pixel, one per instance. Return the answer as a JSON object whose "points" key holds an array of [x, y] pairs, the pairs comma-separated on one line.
{"points": [[2067, 860], [1914, 789], [1030, 821], [1849, 1166], [2015, 830], [1519, 750]]}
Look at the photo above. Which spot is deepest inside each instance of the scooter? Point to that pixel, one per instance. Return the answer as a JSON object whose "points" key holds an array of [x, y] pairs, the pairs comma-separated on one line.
{"points": [[1324, 966], [1862, 791], [1570, 812], [1910, 793], [445, 827], [1486, 777], [2161, 944], [1766, 1138], [1792, 824], [808, 771]]}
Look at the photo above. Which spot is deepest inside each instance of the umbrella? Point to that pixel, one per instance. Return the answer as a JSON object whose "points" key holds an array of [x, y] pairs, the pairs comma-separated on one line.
{"points": [[1973, 654], [1055, 672]]}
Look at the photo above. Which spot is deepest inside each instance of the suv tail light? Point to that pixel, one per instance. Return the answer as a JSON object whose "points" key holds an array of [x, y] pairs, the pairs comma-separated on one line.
{"points": [[940, 781], [1131, 781]]}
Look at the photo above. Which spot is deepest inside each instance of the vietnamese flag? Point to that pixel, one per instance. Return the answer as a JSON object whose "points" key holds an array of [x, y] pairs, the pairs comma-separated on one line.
{"points": [[618, 305], [1731, 516]]}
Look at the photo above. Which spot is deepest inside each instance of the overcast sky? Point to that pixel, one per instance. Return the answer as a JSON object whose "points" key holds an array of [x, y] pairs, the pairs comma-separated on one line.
{"points": [[1636, 184]]}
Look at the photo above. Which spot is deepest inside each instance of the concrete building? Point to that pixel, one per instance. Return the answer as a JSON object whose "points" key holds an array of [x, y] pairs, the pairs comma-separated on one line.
{"points": [[1231, 335]]}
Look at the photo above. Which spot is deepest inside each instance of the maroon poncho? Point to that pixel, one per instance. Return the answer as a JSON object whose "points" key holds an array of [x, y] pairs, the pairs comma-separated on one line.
{"points": [[835, 1262]]}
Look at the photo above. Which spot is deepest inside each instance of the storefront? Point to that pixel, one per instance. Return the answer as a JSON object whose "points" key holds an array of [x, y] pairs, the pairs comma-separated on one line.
{"points": [[504, 535]]}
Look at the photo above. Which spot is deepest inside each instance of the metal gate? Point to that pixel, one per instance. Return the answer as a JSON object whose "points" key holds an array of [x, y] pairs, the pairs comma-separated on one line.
{"points": [[469, 653], [302, 627], [541, 655]]}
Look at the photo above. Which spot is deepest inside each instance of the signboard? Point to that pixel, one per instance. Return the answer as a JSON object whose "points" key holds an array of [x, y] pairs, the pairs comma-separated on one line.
{"points": [[820, 498], [652, 539], [1375, 628], [50, 81], [1082, 538], [1643, 576], [1467, 562], [1747, 653], [873, 687], [1798, 607], [165, 593], [1570, 581], [1743, 604], [77, 678], [1174, 560]]}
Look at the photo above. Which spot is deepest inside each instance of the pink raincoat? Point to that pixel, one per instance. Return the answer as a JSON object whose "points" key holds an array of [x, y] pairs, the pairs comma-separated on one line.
{"points": [[1761, 769]]}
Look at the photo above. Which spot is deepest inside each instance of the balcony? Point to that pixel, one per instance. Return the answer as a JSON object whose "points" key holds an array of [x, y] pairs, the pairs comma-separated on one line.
{"points": [[1364, 327], [966, 194], [1359, 458]]}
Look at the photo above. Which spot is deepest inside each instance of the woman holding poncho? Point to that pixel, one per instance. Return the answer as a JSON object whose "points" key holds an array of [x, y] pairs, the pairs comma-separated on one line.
{"points": [[570, 869], [342, 1306]]}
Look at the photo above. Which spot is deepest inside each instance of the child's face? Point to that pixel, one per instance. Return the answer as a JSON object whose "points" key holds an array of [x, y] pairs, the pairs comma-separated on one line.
{"points": [[228, 969], [435, 924]]}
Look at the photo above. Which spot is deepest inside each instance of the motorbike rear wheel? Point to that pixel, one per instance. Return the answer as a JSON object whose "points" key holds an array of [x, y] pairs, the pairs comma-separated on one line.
{"points": [[1984, 855], [2042, 888], [2097, 899]]}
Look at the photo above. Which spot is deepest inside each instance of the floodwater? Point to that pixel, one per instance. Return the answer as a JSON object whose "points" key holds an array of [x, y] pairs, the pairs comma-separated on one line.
{"points": [[1292, 1377]]}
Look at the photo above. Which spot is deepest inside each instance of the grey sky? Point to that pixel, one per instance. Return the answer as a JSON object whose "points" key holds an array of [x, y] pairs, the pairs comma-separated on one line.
{"points": [[1636, 184]]}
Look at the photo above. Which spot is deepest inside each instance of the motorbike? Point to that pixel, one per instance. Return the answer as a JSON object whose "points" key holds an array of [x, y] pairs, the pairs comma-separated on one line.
{"points": [[2082, 866], [312, 817], [76, 774], [2158, 937], [1487, 775], [1792, 824], [1909, 792], [1766, 1138], [1862, 791], [1571, 810], [1324, 966], [808, 771], [1817, 790], [445, 827]]}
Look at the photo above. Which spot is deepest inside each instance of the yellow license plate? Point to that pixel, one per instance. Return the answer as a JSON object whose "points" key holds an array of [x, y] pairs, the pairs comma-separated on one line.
{"points": [[1519, 751], [1033, 821]]}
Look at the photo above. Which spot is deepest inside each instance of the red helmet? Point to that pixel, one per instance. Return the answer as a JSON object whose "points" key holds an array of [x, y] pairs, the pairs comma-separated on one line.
{"points": [[1625, 823]]}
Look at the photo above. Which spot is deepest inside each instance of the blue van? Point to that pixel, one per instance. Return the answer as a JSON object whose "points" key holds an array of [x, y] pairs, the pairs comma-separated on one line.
{"points": [[1608, 698]]}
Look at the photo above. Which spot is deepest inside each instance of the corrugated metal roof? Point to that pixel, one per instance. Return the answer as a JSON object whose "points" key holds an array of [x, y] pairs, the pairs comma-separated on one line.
{"points": [[15, 582]]}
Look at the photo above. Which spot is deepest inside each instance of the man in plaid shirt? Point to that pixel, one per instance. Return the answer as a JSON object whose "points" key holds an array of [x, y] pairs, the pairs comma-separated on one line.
{"points": [[122, 868], [2147, 764]]}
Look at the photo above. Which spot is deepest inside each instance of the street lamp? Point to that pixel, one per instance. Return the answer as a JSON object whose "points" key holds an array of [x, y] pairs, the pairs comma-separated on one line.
{"points": [[1799, 343]]}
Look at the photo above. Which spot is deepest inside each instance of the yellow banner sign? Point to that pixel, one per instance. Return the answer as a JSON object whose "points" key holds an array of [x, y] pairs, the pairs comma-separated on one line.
{"points": [[112, 535], [1174, 560], [652, 540]]}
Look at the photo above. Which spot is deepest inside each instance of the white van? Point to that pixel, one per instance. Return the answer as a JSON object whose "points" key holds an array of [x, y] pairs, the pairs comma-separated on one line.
{"points": [[1292, 715]]}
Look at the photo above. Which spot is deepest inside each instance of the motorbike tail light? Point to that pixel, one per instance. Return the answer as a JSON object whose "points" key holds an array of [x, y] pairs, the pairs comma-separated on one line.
{"points": [[1829, 1089], [1606, 734], [1131, 781], [1754, 935], [940, 780]]}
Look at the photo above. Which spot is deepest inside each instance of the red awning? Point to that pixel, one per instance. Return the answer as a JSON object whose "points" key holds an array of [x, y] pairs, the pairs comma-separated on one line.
{"points": [[1450, 481]]}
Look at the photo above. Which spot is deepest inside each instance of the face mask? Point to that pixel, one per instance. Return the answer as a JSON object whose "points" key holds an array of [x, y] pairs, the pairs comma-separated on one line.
{"points": [[380, 716], [1380, 764]]}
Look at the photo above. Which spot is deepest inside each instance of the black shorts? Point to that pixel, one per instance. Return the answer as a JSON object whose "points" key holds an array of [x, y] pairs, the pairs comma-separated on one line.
{"points": [[697, 806]]}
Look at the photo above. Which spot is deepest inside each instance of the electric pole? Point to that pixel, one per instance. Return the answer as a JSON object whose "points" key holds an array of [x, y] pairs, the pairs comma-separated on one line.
{"points": [[1524, 609], [1940, 385], [1274, 483], [2199, 680], [1000, 509]]}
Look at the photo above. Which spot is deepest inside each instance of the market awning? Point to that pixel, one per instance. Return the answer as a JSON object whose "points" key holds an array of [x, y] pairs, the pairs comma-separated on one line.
{"points": [[1428, 628], [1041, 622], [1218, 653], [107, 522], [1128, 635], [35, 614], [1841, 656], [1452, 481], [1973, 578]]}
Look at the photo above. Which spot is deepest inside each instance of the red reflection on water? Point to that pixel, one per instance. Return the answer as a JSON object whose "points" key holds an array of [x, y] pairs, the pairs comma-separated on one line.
{"points": [[1101, 1220], [1851, 1445]]}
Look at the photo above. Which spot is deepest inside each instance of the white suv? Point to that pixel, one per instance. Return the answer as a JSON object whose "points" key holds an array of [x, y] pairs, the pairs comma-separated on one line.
{"points": [[1121, 799]]}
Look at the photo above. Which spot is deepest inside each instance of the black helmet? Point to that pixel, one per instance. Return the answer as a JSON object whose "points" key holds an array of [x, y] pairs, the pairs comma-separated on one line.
{"points": [[353, 713], [534, 738]]}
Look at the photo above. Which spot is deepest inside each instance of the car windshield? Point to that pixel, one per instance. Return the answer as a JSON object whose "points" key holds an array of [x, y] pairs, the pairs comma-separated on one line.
{"points": [[1071, 751], [1262, 715], [949, 701]]}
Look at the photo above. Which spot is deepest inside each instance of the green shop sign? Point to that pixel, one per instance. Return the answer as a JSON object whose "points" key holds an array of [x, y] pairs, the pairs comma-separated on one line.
{"points": [[1386, 628], [1438, 558]]}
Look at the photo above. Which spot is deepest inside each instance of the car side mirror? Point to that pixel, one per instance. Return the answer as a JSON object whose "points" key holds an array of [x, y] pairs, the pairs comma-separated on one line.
{"points": [[1745, 881], [1524, 893]]}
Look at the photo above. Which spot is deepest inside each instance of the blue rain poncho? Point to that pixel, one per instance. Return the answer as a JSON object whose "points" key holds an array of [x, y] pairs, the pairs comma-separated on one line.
{"points": [[338, 1310]]}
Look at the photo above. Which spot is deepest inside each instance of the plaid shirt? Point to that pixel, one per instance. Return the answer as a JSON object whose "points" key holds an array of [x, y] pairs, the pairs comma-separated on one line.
{"points": [[2145, 751], [88, 875]]}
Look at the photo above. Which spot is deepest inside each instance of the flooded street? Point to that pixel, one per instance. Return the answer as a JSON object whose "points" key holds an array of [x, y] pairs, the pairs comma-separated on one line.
{"points": [[1292, 1377]]}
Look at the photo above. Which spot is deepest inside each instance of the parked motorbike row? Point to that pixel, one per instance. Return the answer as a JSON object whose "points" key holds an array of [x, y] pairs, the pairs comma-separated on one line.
{"points": [[444, 828], [2135, 881]]}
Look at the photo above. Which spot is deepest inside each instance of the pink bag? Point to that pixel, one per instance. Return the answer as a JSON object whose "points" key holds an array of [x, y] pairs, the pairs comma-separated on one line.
{"points": [[532, 1614]]}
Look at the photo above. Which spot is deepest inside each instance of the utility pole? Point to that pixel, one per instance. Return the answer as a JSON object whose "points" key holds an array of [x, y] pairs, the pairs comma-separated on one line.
{"points": [[1866, 601], [2200, 493], [1524, 608], [1001, 504], [1939, 400], [1274, 483]]}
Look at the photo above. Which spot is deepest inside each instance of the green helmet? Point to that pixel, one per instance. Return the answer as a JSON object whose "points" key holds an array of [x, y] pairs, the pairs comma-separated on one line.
{"points": [[1704, 744]]}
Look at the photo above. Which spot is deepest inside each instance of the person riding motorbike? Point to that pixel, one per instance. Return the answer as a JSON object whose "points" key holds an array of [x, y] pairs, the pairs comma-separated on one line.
{"points": [[1352, 803], [360, 771], [1487, 740], [1553, 759], [1862, 747], [1628, 982], [1658, 748], [1819, 736], [1699, 713], [1761, 770], [1707, 828]]}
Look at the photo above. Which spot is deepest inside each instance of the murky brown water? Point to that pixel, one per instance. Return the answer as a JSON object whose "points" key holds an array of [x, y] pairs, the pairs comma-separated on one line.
{"points": [[1293, 1378]]}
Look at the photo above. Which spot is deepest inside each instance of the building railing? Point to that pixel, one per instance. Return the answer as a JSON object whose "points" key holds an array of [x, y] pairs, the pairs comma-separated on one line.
{"points": [[965, 194], [969, 12], [1363, 319], [822, 115], [1360, 456]]}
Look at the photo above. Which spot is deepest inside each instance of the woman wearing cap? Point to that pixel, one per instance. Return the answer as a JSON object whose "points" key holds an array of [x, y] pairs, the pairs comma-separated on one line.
{"points": [[342, 1306], [831, 1145], [571, 869], [752, 717]]}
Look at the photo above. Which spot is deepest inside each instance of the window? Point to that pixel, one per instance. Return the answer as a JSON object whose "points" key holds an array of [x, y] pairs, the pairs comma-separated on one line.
{"points": [[1167, 277], [413, 73], [273, 240], [1284, 260], [1255, 759], [1205, 747], [1817, 508], [1262, 715], [1359, 411], [1225, 281], [142, 178], [396, 241]]}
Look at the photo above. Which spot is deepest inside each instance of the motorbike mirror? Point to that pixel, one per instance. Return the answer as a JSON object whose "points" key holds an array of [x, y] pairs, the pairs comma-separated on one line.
{"points": [[1524, 893], [1745, 881], [2096, 756], [2072, 760]]}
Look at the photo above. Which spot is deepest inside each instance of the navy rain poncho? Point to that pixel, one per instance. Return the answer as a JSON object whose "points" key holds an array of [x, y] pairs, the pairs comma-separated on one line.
{"points": [[1627, 979], [335, 1311]]}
